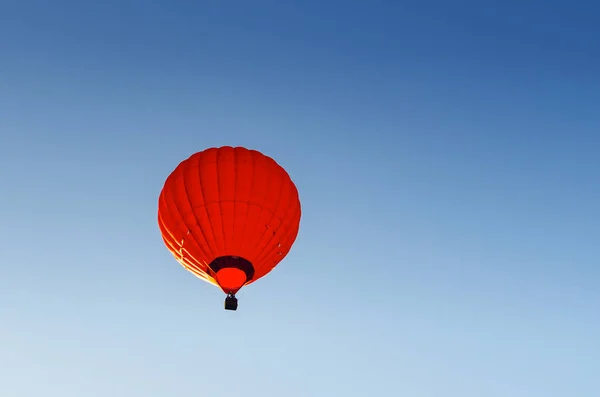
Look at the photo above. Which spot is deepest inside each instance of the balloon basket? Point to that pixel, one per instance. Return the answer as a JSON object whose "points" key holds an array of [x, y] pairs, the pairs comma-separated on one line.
{"points": [[231, 302]]}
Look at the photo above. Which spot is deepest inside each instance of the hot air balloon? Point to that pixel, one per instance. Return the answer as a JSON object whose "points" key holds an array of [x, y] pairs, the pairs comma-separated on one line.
{"points": [[229, 215]]}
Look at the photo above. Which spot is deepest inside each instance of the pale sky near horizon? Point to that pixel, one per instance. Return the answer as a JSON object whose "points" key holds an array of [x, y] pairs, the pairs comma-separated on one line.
{"points": [[447, 159]]}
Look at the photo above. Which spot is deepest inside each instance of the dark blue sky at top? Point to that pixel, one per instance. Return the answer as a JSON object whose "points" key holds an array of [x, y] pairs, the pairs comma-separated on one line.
{"points": [[447, 158]]}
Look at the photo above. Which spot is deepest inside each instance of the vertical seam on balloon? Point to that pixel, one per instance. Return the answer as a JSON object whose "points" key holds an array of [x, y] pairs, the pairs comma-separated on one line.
{"points": [[205, 208], [170, 192], [292, 232], [296, 218], [211, 223], [285, 226], [265, 252], [219, 195], [187, 225], [167, 235], [289, 231], [262, 208], [161, 222], [286, 181], [244, 237], [235, 169], [189, 164], [295, 200]]}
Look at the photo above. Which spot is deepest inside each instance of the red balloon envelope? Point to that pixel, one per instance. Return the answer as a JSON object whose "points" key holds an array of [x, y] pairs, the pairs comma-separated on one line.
{"points": [[229, 215]]}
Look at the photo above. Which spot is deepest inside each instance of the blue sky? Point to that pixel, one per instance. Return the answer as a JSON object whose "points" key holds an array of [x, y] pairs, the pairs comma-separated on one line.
{"points": [[446, 155]]}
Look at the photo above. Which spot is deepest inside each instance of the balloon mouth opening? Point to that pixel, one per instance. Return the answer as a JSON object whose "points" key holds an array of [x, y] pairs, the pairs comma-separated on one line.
{"points": [[231, 272], [230, 279]]}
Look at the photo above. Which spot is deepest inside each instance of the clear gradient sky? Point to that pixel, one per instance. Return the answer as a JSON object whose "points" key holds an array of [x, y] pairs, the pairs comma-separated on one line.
{"points": [[447, 155]]}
